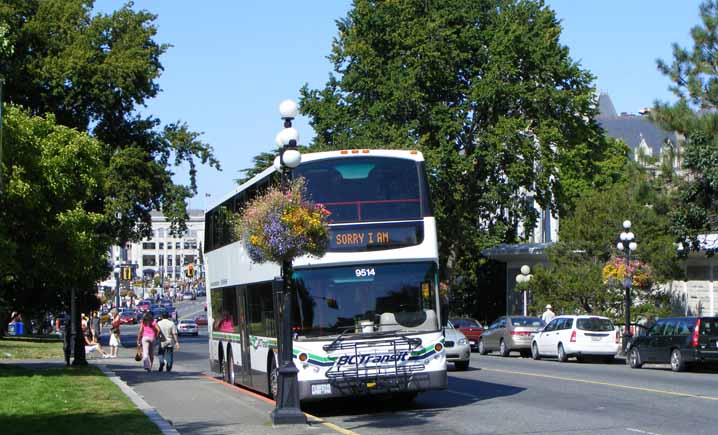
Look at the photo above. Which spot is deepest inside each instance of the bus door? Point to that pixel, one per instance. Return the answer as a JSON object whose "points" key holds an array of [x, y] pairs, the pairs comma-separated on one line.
{"points": [[246, 371]]}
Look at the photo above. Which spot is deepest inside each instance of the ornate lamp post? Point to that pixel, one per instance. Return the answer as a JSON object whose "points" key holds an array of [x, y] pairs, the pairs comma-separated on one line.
{"points": [[524, 276], [627, 242], [287, 410]]}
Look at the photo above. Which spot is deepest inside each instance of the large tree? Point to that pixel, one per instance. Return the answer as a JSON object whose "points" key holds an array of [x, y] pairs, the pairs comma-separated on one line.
{"points": [[486, 91], [93, 72], [51, 244], [694, 76]]}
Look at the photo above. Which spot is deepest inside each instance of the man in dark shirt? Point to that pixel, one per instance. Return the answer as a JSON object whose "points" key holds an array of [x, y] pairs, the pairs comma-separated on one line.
{"points": [[95, 325]]}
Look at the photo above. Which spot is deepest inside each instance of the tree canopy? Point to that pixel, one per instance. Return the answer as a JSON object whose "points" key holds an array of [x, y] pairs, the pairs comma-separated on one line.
{"points": [[93, 72], [502, 114], [50, 242], [694, 76]]}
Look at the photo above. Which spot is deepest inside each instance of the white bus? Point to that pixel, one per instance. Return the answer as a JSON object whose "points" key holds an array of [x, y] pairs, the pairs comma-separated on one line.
{"points": [[367, 317]]}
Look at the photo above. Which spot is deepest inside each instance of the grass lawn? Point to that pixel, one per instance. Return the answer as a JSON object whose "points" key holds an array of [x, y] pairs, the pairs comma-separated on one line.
{"points": [[66, 401], [30, 348]]}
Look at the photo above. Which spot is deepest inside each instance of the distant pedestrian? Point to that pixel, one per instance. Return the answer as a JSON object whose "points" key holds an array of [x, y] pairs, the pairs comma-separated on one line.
{"points": [[169, 341], [147, 335], [548, 315], [114, 333], [95, 325]]}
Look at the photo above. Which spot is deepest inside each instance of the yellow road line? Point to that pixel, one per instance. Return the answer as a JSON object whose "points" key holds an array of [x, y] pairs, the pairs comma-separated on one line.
{"points": [[332, 426], [607, 384]]}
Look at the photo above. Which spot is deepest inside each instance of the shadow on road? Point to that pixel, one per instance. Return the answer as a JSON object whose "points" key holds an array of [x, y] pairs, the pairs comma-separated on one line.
{"points": [[390, 411]]}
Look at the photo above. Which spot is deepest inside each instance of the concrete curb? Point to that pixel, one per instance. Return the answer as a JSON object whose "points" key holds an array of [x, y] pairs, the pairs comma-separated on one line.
{"points": [[143, 406]]}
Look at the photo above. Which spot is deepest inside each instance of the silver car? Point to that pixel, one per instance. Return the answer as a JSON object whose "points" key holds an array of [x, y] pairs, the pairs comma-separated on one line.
{"points": [[457, 348], [510, 333]]}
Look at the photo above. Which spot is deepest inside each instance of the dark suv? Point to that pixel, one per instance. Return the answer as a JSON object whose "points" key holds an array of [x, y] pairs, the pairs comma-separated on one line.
{"points": [[680, 341]]}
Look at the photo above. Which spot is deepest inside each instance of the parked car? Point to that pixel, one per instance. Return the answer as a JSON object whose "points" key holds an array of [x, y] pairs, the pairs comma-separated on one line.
{"points": [[143, 306], [187, 327], [509, 333], [187, 296], [577, 336], [680, 341], [127, 318], [201, 319], [457, 348], [471, 329]]}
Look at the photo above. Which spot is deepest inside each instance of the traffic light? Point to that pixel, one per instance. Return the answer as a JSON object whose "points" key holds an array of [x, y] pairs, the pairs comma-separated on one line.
{"points": [[190, 271], [126, 273]]}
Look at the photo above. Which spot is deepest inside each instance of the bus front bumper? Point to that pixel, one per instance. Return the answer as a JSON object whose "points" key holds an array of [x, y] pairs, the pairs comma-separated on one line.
{"points": [[416, 382]]}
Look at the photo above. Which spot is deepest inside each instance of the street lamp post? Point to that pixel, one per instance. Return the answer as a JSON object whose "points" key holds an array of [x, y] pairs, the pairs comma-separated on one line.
{"points": [[524, 276], [627, 242], [287, 410]]}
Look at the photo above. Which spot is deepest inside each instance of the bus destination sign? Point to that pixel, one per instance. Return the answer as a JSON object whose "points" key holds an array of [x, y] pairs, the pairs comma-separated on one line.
{"points": [[374, 237]]}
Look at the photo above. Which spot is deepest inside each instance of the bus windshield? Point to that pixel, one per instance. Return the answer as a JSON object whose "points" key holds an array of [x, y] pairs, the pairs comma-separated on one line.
{"points": [[365, 299], [364, 189]]}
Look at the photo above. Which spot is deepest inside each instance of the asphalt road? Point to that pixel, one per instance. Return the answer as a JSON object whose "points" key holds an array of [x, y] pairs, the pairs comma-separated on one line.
{"points": [[520, 396]]}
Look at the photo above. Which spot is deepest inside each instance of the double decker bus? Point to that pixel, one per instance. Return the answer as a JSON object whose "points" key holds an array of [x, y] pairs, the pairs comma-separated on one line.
{"points": [[366, 316]]}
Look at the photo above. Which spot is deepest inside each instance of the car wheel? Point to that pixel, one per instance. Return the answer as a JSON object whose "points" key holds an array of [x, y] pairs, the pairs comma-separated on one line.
{"points": [[535, 352], [503, 349], [562, 357], [634, 359], [272, 379], [461, 365], [580, 358], [678, 364], [482, 348]]}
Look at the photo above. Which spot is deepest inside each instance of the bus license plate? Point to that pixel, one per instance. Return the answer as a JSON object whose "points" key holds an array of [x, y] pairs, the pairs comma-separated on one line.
{"points": [[321, 389]]}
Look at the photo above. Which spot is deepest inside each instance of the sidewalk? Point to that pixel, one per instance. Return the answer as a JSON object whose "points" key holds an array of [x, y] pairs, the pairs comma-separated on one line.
{"points": [[194, 403]]}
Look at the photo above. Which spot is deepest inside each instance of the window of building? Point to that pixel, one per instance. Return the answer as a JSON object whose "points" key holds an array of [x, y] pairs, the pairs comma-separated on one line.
{"points": [[698, 273], [188, 259], [162, 260], [162, 245], [149, 260], [148, 245], [178, 260], [178, 245], [193, 245], [169, 260], [186, 245]]}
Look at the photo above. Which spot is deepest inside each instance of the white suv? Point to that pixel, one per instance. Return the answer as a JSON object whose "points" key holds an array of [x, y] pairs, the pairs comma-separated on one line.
{"points": [[578, 336]]}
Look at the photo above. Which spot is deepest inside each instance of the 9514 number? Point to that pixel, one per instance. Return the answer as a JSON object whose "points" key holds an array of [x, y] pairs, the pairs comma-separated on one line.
{"points": [[364, 272]]}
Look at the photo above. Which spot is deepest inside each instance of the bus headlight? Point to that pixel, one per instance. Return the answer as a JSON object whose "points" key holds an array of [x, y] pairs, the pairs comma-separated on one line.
{"points": [[438, 347], [303, 357]]}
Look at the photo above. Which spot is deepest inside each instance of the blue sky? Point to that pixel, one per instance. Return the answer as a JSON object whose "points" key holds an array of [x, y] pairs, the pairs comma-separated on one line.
{"points": [[233, 62]]}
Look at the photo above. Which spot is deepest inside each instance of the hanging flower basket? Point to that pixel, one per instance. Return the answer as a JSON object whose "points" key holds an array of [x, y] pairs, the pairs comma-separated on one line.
{"points": [[615, 272], [280, 226]]}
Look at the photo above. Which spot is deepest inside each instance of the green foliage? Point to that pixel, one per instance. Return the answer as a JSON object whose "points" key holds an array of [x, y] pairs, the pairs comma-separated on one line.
{"points": [[574, 283], [93, 71], [52, 172], [694, 77], [486, 91]]}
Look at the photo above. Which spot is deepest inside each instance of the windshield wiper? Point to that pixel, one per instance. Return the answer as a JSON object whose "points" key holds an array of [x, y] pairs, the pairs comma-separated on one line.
{"points": [[330, 346]]}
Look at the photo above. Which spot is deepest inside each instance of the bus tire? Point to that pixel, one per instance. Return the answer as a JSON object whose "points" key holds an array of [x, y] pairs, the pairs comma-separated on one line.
{"points": [[230, 378], [220, 358], [272, 378]]}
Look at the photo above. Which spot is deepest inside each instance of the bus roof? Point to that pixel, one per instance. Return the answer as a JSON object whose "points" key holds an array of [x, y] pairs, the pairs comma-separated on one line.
{"points": [[310, 157]]}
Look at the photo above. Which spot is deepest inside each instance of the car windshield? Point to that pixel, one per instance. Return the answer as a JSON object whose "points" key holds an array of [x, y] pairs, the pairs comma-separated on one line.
{"points": [[594, 324], [526, 321], [465, 323], [367, 298]]}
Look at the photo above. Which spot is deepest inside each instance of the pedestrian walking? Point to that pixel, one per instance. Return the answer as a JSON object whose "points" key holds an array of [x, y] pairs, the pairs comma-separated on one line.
{"points": [[95, 325], [548, 315], [169, 341], [147, 335], [114, 333]]}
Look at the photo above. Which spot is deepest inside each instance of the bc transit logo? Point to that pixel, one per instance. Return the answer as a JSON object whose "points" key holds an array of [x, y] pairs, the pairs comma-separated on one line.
{"points": [[364, 359]]}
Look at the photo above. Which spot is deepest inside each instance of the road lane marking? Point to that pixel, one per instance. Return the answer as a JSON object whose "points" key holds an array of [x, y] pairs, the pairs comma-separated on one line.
{"points": [[630, 429], [461, 393], [607, 384], [315, 419]]}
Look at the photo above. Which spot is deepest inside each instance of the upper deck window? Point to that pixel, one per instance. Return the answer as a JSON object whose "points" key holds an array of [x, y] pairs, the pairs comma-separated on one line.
{"points": [[365, 189]]}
